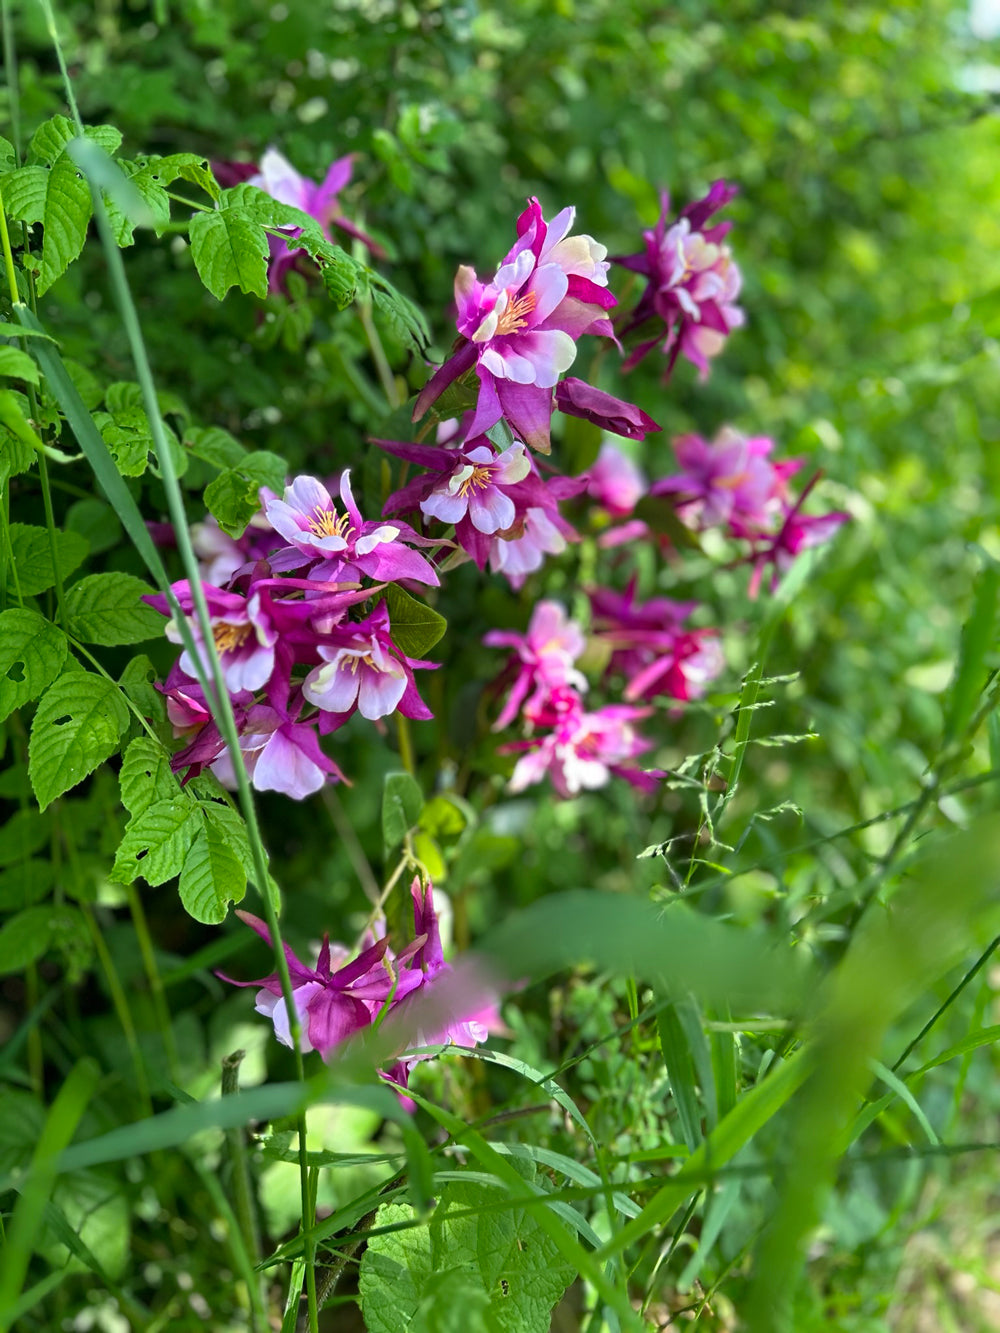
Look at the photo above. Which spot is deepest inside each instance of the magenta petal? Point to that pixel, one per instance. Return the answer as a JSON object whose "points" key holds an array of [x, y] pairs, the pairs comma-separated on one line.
{"points": [[464, 359], [283, 767], [334, 1016], [528, 409]]}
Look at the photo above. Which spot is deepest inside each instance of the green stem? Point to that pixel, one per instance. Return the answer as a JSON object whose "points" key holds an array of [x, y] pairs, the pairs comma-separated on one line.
{"points": [[129, 703], [8, 552], [36, 1056], [120, 1003], [11, 78], [141, 927], [382, 367], [405, 744], [243, 1201]]}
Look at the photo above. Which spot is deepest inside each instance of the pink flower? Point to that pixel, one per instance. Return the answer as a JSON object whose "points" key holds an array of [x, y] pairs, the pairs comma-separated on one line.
{"points": [[243, 631], [543, 657], [583, 751], [728, 482], [797, 533], [308, 519], [616, 483], [520, 329], [693, 283], [650, 647], [280, 755], [578, 399], [363, 669]]}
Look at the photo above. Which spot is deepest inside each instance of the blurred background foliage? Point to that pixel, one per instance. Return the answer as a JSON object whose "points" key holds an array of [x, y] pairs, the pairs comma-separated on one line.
{"points": [[868, 231]]}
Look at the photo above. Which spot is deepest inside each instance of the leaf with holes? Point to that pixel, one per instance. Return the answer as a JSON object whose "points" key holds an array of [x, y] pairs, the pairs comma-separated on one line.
{"points": [[32, 651], [157, 841], [76, 726], [212, 877], [229, 249], [33, 557], [145, 776], [106, 609]]}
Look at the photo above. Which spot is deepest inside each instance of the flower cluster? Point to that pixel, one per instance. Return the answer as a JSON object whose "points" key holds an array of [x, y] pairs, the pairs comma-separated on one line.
{"points": [[341, 995], [303, 634], [692, 287], [732, 483], [518, 332]]}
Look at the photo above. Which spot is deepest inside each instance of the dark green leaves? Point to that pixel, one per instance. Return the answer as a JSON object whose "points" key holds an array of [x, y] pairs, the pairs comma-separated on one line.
{"points": [[229, 250], [416, 627], [33, 557], [106, 609], [32, 651], [234, 496], [402, 801], [77, 725]]}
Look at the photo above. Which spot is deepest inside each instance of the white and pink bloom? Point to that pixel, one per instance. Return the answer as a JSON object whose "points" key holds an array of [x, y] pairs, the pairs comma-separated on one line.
{"points": [[583, 751], [543, 658], [361, 668], [308, 519], [728, 482], [616, 483], [519, 330], [242, 628], [693, 283]]}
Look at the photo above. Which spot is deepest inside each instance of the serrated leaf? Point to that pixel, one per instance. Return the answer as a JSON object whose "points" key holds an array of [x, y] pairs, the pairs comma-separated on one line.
{"points": [[405, 319], [212, 878], [18, 365], [415, 626], [152, 200], [229, 825], [138, 680], [214, 445], [33, 556], [501, 1255], [106, 609], [76, 726], [65, 219], [157, 840], [19, 444], [24, 194], [402, 801], [24, 938], [233, 497], [32, 652], [8, 158], [229, 249], [145, 776], [49, 141]]}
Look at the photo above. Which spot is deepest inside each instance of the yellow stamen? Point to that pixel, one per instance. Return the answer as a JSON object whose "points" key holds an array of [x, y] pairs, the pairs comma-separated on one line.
{"points": [[477, 479], [514, 317], [328, 523], [229, 637]]}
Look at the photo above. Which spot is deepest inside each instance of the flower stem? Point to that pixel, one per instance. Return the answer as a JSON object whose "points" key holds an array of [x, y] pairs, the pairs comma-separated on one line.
{"points": [[243, 1200]]}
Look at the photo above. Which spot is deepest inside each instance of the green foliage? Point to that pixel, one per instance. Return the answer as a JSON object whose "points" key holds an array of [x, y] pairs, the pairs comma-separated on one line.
{"points": [[106, 609], [32, 652], [416, 627], [500, 1266], [77, 725], [32, 557], [402, 801], [234, 496]]}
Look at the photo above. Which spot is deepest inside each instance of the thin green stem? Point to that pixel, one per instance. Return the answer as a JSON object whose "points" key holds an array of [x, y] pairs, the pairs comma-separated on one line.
{"points": [[382, 367], [243, 1200], [406, 754], [8, 552], [120, 1002], [36, 1055], [150, 967]]}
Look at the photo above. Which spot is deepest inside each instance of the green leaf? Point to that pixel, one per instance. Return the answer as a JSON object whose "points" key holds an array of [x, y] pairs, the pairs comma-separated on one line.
{"points": [[402, 801], [212, 877], [106, 609], [32, 651], [24, 884], [76, 726], [415, 626], [501, 1259], [214, 445], [138, 680], [24, 938], [17, 365], [96, 522], [19, 445], [230, 249], [33, 556], [49, 141], [157, 840], [145, 776], [677, 1061], [22, 834], [233, 497], [978, 636]]}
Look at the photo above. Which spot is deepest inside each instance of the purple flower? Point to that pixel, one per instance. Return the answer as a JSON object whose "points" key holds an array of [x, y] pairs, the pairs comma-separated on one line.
{"points": [[543, 657], [471, 482], [243, 631], [542, 533], [280, 755], [616, 483], [362, 668], [729, 482], [650, 647], [583, 751], [578, 399], [308, 519], [519, 330], [693, 283], [798, 532]]}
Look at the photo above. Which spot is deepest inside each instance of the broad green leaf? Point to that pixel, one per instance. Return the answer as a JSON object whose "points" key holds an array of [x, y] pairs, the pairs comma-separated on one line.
{"points": [[17, 365], [19, 445], [33, 555], [138, 680], [402, 801], [49, 141], [76, 726], [106, 609], [416, 627], [24, 884], [502, 1255], [25, 832], [229, 249], [227, 825], [214, 445], [96, 522], [212, 877], [32, 651], [145, 776], [157, 840], [233, 497], [24, 938], [65, 217], [406, 320], [149, 205]]}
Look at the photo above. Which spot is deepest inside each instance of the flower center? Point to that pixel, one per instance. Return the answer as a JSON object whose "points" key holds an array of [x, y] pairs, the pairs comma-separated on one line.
{"points": [[515, 316], [228, 637], [328, 523], [478, 478]]}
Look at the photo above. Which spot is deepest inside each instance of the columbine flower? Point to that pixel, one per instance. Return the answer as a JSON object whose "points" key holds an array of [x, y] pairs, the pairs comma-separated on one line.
{"points": [[543, 657], [542, 532], [520, 330], [362, 668], [578, 399], [471, 482], [308, 519], [729, 482], [693, 283], [280, 755], [798, 532], [651, 648], [243, 631], [616, 483], [583, 751]]}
